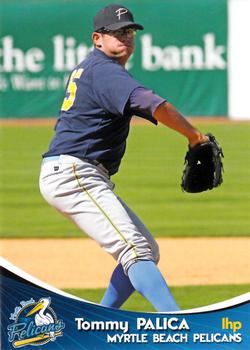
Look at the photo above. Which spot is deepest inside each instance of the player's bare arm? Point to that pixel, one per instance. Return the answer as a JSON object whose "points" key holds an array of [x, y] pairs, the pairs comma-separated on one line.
{"points": [[166, 114]]}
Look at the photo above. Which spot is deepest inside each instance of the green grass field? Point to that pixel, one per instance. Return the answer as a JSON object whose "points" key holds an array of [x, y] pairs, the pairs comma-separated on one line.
{"points": [[187, 296], [149, 181]]}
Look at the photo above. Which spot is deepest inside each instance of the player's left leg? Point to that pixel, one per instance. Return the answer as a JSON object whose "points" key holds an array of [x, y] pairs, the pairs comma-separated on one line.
{"points": [[119, 290]]}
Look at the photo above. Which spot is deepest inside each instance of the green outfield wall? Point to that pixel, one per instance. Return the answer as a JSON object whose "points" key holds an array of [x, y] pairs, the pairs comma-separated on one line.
{"points": [[181, 54]]}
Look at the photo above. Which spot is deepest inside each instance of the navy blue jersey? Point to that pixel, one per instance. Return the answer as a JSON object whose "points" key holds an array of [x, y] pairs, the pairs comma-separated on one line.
{"points": [[95, 116]]}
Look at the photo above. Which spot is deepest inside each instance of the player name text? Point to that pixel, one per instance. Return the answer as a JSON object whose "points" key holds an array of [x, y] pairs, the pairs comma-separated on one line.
{"points": [[84, 325], [142, 323], [159, 323]]}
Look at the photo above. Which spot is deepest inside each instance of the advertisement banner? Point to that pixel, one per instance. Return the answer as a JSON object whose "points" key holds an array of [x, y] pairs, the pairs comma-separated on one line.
{"points": [[181, 54], [40, 316]]}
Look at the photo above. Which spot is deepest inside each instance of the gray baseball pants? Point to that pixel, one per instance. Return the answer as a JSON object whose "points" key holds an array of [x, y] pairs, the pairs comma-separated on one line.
{"points": [[84, 193]]}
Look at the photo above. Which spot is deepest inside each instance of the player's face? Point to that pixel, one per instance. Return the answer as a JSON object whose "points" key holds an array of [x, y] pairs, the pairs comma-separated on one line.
{"points": [[117, 44]]}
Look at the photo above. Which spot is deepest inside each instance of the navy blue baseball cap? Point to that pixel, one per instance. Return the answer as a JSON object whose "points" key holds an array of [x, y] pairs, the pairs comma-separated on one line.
{"points": [[114, 17]]}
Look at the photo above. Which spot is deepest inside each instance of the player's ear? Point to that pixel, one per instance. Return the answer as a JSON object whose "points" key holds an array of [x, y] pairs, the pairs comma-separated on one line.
{"points": [[97, 39]]}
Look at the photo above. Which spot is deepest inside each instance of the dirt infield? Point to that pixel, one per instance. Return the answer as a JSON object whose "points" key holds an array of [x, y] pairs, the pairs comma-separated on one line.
{"points": [[80, 263]]}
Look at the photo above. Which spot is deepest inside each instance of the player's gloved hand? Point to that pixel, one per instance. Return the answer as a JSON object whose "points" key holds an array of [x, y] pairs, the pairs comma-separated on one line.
{"points": [[199, 138], [203, 165]]}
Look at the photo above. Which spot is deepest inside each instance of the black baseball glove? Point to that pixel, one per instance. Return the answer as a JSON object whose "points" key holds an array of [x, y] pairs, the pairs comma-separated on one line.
{"points": [[203, 167]]}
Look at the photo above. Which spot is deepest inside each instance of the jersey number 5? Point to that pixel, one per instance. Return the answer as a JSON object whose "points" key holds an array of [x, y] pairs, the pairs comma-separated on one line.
{"points": [[71, 90]]}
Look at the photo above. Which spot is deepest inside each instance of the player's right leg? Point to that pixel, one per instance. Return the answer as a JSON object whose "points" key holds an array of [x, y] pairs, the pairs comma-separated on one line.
{"points": [[83, 192], [138, 273]]}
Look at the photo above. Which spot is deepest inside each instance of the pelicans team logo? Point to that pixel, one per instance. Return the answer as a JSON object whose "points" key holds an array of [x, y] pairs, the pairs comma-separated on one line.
{"points": [[35, 323]]}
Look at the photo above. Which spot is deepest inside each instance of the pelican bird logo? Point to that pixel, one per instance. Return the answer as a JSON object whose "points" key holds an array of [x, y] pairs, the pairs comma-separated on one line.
{"points": [[39, 324], [41, 318]]}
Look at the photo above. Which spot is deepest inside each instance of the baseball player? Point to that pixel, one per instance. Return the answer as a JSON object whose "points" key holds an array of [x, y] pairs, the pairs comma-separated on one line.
{"points": [[89, 143]]}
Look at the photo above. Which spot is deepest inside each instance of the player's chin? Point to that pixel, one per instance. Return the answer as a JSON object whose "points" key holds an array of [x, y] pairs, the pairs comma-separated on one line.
{"points": [[126, 50]]}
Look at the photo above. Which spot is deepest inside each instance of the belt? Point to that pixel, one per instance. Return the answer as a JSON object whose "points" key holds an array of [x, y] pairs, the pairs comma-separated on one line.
{"points": [[49, 159], [94, 162]]}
